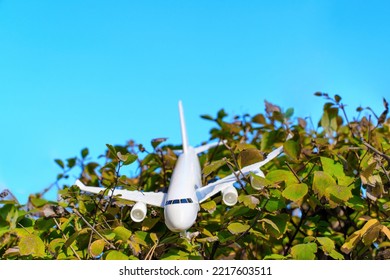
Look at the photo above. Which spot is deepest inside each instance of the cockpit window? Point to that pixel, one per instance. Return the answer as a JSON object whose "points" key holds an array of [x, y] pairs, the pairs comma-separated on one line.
{"points": [[179, 201]]}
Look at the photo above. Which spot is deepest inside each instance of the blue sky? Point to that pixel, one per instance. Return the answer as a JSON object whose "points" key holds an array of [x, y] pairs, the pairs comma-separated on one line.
{"points": [[77, 74]]}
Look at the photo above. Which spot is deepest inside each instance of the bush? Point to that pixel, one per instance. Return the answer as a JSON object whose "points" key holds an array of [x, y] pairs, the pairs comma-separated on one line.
{"points": [[327, 197]]}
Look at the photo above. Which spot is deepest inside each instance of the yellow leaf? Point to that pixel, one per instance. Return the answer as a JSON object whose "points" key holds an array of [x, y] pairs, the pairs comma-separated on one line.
{"points": [[386, 231], [97, 247]]}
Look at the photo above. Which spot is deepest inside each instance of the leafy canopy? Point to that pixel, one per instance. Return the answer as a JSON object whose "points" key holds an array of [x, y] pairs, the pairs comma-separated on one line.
{"points": [[326, 197]]}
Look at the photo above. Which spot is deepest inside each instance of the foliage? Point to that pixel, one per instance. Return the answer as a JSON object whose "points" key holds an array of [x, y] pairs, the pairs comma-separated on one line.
{"points": [[327, 197]]}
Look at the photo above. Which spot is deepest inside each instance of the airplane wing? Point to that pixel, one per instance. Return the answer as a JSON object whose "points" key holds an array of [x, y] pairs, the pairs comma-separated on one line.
{"points": [[150, 198], [220, 185]]}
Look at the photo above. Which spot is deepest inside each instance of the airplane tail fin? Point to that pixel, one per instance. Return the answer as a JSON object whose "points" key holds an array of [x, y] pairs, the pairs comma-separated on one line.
{"points": [[183, 128], [184, 137]]}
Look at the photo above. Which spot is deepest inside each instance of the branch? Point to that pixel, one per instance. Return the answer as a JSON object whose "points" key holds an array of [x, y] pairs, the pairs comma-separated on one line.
{"points": [[293, 172], [93, 229], [374, 150], [298, 228], [66, 239]]}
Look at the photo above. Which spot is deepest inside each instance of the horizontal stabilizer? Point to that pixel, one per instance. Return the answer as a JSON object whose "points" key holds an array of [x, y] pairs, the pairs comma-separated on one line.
{"points": [[206, 147]]}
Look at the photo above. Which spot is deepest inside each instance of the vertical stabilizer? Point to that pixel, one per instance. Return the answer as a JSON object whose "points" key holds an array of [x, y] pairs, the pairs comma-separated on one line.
{"points": [[183, 128]]}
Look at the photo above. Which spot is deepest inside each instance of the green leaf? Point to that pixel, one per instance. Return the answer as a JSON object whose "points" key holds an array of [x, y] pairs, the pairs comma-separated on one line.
{"points": [[259, 118], [279, 175], [295, 192], [116, 255], [271, 223], [236, 228], [259, 182], [71, 162], [56, 245], [327, 244], [157, 141], [329, 119], [127, 158], [356, 203], [122, 233], [275, 204], [321, 182], [38, 202], [43, 224], [140, 237], [230, 128], [71, 239], [336, 255], [267, 141], [225, 236], [208, 169], [292, 149], [276, 225], [304, 251], [249, 156], [207, 117], [108, 234], [367, 174], [338, 195], [149, 223], [209, 206], [60, 163], [274, 257], [84, 153], [221, 114], [97, 248], [154, 238], [332, 168], [244, 146], [112, 150], [289, 113], [237, 211], [31, 245], [249, 201]]}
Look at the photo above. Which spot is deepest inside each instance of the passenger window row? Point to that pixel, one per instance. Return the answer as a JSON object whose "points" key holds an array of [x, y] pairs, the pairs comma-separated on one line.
{"points": [[179, 201]]}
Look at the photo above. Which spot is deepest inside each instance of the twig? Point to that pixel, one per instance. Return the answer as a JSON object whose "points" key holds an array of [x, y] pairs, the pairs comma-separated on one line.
{"points": [[234, 159], [149, 255], [342, 106], [66, 239], [298, 228], [374, 150], [93, 229], [214, 249], [251, 226], [293, 171]]}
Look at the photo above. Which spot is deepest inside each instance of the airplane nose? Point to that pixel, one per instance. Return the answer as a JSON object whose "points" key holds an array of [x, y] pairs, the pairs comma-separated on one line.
{"points": [[179, 218]]}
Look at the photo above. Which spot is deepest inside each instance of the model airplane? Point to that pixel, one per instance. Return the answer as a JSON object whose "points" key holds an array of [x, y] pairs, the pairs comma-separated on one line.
{"points": [[185, 192]]}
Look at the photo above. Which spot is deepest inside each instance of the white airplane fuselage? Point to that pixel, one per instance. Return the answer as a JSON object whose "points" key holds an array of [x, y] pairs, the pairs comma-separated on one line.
{"points": [[182, 206]]}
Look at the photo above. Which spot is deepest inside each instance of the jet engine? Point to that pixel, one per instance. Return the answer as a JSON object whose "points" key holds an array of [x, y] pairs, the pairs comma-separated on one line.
{"points": [[229, 196], [138, 212]]}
